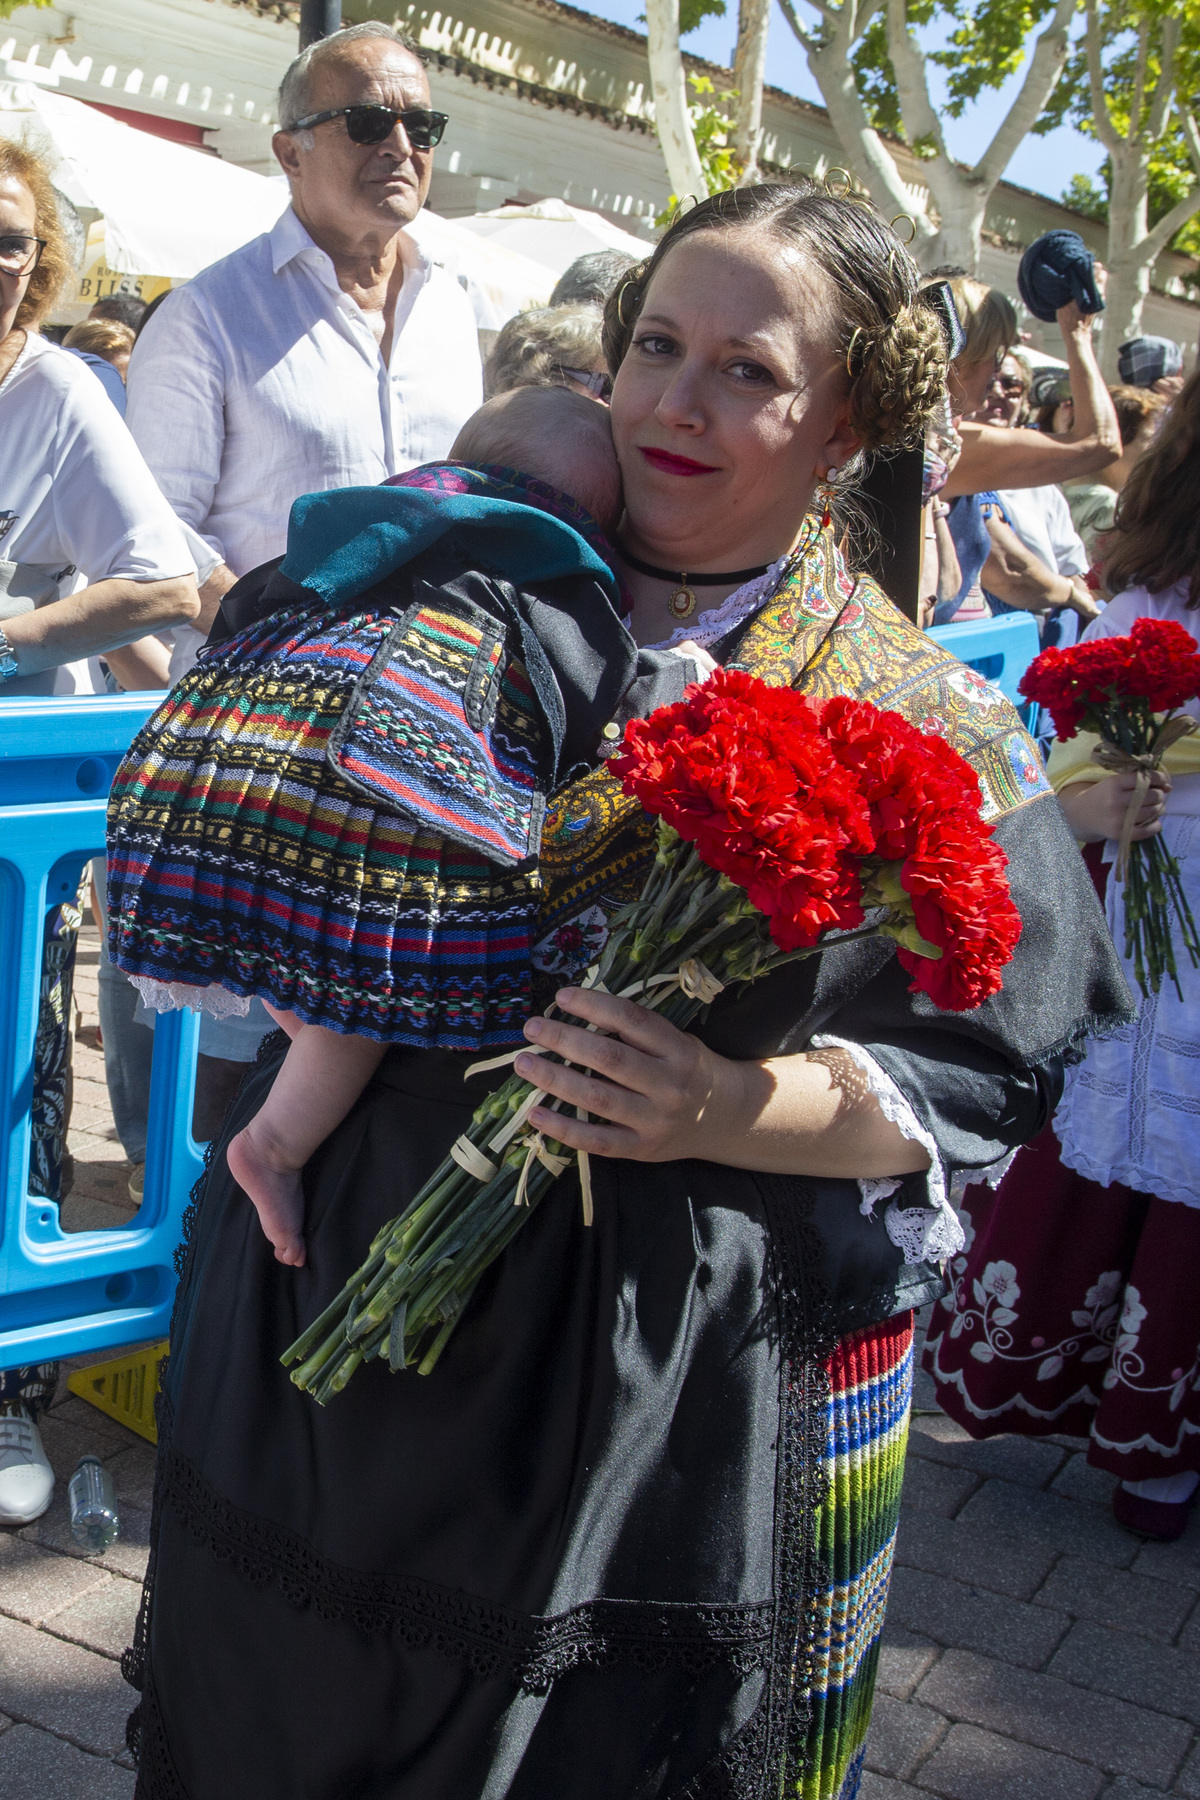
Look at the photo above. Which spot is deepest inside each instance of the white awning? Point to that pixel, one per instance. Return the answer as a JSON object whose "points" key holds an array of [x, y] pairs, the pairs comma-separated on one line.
{"points": [[167, 210], [553, 232], [499, 282]]}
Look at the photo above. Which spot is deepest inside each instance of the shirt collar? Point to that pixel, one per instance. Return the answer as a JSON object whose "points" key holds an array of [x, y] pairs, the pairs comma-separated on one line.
{"points": [[289, 240]]}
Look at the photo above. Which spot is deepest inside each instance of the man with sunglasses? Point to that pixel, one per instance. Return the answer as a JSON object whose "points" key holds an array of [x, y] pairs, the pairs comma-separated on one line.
{"points": [[329, 352]]}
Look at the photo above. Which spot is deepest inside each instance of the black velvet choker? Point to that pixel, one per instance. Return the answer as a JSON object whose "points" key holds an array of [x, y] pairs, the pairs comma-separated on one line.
{"points": [[682, 603]]}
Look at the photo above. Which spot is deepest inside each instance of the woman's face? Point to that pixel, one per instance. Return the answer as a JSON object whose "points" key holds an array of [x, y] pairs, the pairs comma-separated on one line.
{"points": [[1005, 394], [968, 384], [18, 218], [729, 404]]}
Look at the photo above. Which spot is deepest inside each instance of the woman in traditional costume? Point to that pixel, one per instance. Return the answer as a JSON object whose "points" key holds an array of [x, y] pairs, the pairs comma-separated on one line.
{"points": [[1076, 1309], [632, 1535]]}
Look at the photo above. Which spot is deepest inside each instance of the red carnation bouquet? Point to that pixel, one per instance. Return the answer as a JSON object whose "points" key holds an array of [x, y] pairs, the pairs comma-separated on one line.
{"points": [[783, 824], [1127, 690]]}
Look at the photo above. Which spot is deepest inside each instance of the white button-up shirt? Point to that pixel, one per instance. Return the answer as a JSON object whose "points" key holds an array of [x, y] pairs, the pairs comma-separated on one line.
{"points": [[261, 380]]}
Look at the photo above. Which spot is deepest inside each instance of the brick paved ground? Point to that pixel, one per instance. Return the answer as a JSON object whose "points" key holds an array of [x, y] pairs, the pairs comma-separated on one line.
{"points": [[1033, 1650]]}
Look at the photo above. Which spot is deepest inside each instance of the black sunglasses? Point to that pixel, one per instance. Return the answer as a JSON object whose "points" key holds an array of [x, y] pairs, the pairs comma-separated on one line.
{"points": [[20, 255], [372, 124], [597, 383]]}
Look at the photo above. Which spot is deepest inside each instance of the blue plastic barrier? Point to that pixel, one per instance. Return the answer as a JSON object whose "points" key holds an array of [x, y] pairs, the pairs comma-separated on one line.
{"points": [[1001, 650], [70, 1294]]}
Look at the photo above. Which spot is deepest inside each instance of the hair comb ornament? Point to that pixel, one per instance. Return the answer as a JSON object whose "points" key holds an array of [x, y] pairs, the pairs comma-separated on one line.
{"points": [[940, 296]]}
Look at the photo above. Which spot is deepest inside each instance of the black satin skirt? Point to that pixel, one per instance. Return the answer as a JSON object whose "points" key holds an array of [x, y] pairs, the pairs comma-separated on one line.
{"points": [[559, 1565]]}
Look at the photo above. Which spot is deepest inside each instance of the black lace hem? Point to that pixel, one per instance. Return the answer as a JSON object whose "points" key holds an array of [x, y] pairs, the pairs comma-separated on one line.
{"points": [[767, 1756], [490, 1640]]}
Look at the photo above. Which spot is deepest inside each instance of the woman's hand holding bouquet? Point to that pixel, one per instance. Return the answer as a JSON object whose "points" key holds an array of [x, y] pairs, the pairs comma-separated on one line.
{"points": [[783, 824], [1128, 690]]}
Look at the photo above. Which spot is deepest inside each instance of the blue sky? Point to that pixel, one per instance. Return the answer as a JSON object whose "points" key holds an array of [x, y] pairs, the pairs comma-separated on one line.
{"points": [[1044, 164]]}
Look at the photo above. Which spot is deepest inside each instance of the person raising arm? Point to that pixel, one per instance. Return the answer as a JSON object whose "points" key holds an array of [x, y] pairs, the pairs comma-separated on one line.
{"points": [[997, 457]]}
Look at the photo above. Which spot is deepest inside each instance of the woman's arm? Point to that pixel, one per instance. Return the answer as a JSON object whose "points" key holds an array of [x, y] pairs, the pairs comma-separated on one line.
{"points": [[142, 665], [993, 457], [657, 1094], [98, 618], [949, 572], [1015, 575]]}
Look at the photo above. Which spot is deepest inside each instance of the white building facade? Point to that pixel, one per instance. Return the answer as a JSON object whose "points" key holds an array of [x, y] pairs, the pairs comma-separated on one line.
{"points": [[543, 100]]}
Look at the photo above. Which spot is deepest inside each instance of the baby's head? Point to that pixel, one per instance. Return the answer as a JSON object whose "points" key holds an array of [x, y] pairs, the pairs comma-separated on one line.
{"points": [[555, 433]]}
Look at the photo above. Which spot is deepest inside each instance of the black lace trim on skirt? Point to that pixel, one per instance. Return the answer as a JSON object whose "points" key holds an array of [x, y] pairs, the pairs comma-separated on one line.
{"points": [[491, 1640]]}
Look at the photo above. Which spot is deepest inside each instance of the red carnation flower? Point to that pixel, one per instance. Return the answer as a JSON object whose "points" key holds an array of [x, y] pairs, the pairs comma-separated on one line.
{"points": [[792, 800]]}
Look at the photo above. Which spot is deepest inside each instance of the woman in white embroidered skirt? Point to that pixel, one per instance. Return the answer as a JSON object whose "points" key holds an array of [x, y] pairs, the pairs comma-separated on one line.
{"points": [[1076, 1308]]}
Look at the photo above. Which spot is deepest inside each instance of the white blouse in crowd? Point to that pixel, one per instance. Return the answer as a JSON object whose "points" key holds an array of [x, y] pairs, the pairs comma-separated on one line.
{"points": [[1131, 1109], [1042, 520], [76, 497], [261, 380]]}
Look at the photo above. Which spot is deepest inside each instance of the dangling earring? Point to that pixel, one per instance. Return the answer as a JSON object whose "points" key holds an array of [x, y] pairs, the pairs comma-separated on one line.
{"points": [[827, 493]]}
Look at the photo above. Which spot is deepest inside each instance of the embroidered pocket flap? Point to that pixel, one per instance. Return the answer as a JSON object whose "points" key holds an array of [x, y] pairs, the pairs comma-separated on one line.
{"points": [[443, 730]]}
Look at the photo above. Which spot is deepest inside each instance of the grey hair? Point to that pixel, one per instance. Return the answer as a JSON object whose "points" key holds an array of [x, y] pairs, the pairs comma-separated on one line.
{"points": [[295, 90], [533, 349], [592, 277]]}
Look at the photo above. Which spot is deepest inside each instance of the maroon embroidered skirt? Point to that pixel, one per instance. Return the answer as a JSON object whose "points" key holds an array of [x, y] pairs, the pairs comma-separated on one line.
{"points": [[1076, 1309]]}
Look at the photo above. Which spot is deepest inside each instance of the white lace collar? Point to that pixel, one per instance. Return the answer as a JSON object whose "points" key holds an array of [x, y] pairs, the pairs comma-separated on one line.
{"points": [[709, 627]]}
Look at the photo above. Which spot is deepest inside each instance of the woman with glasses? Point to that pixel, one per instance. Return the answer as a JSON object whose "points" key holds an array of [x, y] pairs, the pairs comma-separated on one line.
{"points": [[91, 557], [553, 346]]}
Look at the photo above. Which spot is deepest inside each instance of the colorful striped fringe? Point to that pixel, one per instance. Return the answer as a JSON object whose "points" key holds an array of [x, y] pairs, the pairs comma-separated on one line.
{"points": [[239, 857], [870, 1378]]}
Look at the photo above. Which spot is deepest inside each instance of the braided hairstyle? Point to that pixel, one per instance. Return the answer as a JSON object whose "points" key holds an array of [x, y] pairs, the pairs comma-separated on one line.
{"points": [[889, 339]]}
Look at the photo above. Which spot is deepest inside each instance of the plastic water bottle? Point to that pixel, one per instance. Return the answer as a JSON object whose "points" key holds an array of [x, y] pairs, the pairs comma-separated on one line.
{"points": [[94, 1519]]}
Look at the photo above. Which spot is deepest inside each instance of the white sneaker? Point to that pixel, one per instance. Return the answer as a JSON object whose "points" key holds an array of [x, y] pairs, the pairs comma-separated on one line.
{"points": [[26, 1478]]}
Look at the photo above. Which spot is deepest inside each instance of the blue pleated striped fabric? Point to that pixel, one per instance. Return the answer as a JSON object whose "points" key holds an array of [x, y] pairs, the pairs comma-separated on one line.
{"points": [[870, 1377]]}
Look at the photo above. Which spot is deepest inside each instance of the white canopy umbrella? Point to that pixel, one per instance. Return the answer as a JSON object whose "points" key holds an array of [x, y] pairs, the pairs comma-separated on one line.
{"points": [[167, 210], [553, 232], [499, 282]]}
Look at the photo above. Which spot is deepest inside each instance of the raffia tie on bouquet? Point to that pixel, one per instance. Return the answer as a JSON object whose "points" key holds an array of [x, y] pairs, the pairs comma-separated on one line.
{"points": [[1141, 766], [692, 978]]}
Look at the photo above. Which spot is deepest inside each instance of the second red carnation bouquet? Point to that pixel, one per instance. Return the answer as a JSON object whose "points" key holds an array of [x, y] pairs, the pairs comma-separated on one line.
{"points": [[781, 824], [1128, 691]]}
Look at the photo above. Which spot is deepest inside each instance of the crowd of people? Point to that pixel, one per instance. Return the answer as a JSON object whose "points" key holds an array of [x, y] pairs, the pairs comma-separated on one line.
{"points": [[635, 1524]]}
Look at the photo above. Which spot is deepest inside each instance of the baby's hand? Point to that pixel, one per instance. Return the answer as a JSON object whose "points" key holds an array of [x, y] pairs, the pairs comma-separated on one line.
{"points": [[695, 653]]}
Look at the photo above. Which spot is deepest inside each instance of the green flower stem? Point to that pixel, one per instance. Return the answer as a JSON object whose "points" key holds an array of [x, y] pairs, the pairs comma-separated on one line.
{"points": [[431, 1257]]}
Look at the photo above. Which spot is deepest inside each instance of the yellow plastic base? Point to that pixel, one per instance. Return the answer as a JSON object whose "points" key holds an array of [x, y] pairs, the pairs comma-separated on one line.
{"points": [[125, 1388]]}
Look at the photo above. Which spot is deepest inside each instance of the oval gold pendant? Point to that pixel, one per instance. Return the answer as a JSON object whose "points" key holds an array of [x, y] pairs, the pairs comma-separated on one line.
{"points": [[682, 603]]}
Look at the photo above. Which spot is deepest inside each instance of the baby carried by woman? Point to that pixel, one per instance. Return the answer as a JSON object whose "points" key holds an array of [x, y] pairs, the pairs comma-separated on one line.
{"points": [[339, 809]]}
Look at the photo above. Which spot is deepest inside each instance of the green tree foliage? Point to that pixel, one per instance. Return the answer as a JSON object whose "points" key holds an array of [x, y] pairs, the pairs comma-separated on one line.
{"points": [[1143, 44], [987, 43], [693, 12], [712, 128], [8, 7]]}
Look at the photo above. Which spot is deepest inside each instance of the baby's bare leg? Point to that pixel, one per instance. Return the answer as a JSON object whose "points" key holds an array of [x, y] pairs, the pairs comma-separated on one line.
{"points": [[322, 1076], [287, 1021]]}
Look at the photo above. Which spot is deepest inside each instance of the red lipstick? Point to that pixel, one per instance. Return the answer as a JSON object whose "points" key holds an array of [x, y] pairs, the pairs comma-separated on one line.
{"points": [[676, 465]]}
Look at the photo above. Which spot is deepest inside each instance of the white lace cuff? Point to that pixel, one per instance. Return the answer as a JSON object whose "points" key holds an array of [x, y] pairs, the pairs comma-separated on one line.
{"points": [[924, 1233], [170, 996]]}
